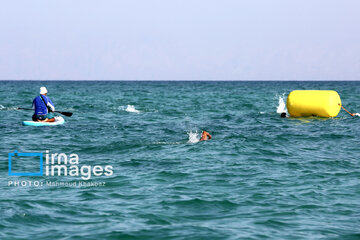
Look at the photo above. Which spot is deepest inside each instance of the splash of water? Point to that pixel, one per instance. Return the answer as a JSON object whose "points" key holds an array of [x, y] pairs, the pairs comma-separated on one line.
{"points": [[193, 137], [2, 107], [281, 106], [131, 108], [357, 114]]}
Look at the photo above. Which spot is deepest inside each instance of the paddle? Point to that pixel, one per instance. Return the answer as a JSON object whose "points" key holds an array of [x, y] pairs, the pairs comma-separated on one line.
{"points": [[68, 114]]}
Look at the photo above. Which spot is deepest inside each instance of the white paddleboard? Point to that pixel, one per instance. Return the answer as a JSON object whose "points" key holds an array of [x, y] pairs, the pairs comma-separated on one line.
{"points": [[58, 121]]}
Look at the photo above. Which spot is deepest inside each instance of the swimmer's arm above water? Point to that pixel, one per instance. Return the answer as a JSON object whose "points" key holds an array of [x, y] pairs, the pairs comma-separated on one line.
{"points": [[209, 136]]}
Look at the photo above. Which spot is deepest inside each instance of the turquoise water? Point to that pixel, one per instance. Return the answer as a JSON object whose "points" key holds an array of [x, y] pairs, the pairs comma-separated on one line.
{"points": [[260, 177]]}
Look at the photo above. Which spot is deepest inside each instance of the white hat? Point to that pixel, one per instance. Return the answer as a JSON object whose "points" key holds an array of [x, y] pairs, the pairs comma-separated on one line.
{"points": [[43, 90]]}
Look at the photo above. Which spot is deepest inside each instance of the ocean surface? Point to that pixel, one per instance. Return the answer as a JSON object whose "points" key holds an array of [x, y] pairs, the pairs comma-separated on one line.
{"points": [[260, 177]]}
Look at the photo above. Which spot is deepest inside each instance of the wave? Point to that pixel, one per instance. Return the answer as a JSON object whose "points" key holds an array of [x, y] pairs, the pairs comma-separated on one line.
{"points": [[203, 204]]}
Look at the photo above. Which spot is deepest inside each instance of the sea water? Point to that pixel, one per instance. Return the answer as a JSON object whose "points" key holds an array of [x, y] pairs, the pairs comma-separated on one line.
{"points": [[260, 177]]}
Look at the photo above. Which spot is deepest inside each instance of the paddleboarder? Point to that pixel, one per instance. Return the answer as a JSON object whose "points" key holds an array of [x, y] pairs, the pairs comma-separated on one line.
{"points": [[43, 107], [205, 136]]}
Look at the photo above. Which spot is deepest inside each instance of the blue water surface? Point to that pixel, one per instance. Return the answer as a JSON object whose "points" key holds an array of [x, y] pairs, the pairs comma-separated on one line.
{"points": [[260, 177]]}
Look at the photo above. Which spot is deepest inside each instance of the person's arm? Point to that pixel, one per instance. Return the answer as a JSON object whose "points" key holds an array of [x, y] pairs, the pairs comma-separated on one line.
{"points": [[208, 134], [50, 105]]}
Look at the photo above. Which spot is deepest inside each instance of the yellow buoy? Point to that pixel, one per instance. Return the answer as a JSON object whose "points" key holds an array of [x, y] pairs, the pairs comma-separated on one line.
{"points": [[322, 103]]}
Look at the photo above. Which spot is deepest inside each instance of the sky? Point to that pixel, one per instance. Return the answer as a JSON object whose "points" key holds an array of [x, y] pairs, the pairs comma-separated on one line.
{"points": [[180, 40]]}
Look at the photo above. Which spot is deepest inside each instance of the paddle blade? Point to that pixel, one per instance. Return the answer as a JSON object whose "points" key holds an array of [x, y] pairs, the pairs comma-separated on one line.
{"points": [[68, 114]]}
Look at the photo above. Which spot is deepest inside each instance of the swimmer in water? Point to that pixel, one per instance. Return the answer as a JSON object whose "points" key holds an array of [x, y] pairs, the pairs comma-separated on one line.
{"points": [[205, 136]]}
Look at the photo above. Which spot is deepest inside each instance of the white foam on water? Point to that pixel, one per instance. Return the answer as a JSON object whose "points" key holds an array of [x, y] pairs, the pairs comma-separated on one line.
{"points": [[121, 108], [167, 143], [131, 108], [281, 105], [193, 137], [357, 114], [7, 108]]}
